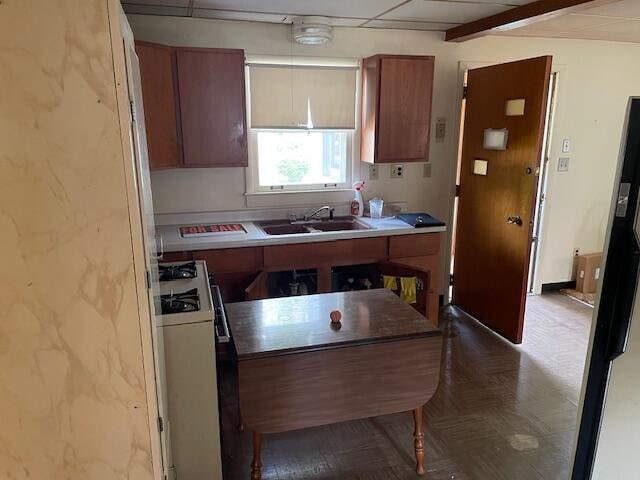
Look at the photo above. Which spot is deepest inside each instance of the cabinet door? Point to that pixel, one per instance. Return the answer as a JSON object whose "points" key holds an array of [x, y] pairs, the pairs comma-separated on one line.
{"points": [[404, 109], [212, 107], [258, 288], [159, 99], [229, 260], [422, 296]]}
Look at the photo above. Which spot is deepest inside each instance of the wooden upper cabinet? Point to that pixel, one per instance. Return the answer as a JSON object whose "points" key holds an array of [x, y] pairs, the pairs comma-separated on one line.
{"points": [[396, 108], [211, 88], [160, 107]]}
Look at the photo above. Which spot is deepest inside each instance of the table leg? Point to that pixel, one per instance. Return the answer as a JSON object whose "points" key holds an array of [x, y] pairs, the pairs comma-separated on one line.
{"points": [[240, 422], [256, 464], [418, 441]]}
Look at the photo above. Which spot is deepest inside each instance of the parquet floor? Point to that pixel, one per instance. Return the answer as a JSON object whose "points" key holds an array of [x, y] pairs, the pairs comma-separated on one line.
{"points": [[501, 412]]}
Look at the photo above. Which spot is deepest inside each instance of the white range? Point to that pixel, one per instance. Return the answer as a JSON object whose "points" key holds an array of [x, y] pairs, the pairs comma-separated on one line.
{"points": [[188, 341]]}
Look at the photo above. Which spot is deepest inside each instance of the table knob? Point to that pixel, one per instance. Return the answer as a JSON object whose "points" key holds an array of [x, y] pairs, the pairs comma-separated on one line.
{"points": [[335, 320]]}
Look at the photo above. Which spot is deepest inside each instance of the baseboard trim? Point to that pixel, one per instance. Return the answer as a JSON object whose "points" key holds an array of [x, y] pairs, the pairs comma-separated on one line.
{"points": [[557, 286]]}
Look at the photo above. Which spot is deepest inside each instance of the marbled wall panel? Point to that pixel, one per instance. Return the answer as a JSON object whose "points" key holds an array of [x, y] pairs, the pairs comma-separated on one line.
{"points": [[72, 393]]}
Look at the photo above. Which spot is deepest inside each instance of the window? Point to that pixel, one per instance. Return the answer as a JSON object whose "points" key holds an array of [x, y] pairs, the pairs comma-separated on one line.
{"points": [[302, 126], [298, 158]]}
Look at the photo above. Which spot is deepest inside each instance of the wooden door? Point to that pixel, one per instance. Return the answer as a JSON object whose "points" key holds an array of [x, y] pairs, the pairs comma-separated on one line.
{"points": [[160, 107], [406, 84], [492, 246], [211, 86]]}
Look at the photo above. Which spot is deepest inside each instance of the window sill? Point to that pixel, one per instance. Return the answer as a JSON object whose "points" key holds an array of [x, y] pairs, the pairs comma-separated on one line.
{"points": [[297, 198], [289, 192]]}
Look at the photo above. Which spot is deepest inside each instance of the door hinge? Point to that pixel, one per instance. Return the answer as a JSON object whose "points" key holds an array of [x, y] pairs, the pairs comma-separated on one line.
{"points": [[457, 190], [451, 279], [132, 111], [465, 92], [160, 424]]}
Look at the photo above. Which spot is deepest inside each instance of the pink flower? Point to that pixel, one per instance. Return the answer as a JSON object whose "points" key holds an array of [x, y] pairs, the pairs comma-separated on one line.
{"points": [[359, 186]]}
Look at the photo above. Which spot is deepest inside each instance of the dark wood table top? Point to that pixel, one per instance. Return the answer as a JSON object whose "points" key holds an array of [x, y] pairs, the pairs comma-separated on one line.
{"points": [[287, 325]]}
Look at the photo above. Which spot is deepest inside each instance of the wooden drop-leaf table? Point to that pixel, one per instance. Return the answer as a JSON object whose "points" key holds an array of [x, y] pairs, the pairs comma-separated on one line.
{"points": [[297, 369]]}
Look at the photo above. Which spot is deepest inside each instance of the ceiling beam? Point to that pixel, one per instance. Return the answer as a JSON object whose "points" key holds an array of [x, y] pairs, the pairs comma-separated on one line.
{"points": [[519, 17]]}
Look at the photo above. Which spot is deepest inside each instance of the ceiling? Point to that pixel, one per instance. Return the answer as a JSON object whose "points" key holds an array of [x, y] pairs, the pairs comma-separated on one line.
{"points": [[436, 15], [618, 21]]}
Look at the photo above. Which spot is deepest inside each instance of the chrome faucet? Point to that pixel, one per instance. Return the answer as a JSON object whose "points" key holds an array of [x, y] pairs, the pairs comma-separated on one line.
{"points": [[319, 210]]}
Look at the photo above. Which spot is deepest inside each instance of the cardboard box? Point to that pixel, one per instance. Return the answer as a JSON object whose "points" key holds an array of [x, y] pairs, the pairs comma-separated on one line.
{"points": [[588, 272]]}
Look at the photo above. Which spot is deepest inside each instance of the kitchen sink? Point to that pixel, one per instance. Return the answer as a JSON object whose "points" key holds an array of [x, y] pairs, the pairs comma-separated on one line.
{"points": [[286, 227]]}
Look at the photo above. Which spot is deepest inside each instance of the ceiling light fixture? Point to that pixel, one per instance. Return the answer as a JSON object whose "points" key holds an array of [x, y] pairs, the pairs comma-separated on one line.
{"points": [[312, 30]]}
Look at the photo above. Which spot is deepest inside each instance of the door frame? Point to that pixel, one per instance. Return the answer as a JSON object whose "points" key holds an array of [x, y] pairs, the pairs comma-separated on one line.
{"points": [[463, 67], [541, 192]]}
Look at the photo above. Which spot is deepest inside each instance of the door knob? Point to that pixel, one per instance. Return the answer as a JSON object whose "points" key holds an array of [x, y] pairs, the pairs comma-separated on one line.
{"points": [[514, 220]]}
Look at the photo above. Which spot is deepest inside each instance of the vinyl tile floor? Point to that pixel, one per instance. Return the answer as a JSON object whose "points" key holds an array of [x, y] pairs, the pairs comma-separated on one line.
{"points": [[501, 411]]}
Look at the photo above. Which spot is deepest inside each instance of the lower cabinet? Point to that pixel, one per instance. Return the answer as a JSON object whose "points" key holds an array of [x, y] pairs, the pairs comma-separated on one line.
{"points": [[255, 273], [285, 283], [343, 278]]}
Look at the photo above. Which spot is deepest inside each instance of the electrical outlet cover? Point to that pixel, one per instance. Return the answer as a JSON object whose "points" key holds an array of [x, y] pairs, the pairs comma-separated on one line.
{"points": [[563, 164], [373, 172], [397, 171], [427, 170], [441, 129]]}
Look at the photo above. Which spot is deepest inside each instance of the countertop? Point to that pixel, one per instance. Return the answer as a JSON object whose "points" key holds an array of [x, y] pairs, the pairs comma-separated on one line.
{"points": [[254, 236]]}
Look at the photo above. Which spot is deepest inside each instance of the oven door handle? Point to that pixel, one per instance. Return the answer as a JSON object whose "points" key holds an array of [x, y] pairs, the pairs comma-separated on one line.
{"points": [[159, 247], [222, 321]]}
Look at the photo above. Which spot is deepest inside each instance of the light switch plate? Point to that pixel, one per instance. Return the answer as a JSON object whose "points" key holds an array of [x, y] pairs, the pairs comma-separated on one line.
{"points": [[373, 172], [566, 145], [441, 129], [563, 164], [397, 170], [426, 172]]}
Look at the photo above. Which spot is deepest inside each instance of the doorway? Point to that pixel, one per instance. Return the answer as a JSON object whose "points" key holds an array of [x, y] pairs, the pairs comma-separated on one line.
{"points": [[541, 194], [503, 126]]}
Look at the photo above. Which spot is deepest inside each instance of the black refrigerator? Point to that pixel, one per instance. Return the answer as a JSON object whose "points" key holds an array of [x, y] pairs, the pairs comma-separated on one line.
{"points": [[608, 443]]}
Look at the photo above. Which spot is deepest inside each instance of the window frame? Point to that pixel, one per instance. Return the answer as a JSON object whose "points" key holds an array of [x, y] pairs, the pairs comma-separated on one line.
{"points": [[253, 186], [254, 167]]}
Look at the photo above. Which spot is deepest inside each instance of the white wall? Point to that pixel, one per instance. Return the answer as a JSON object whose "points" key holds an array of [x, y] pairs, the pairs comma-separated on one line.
{"points": [[596, 79]]}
